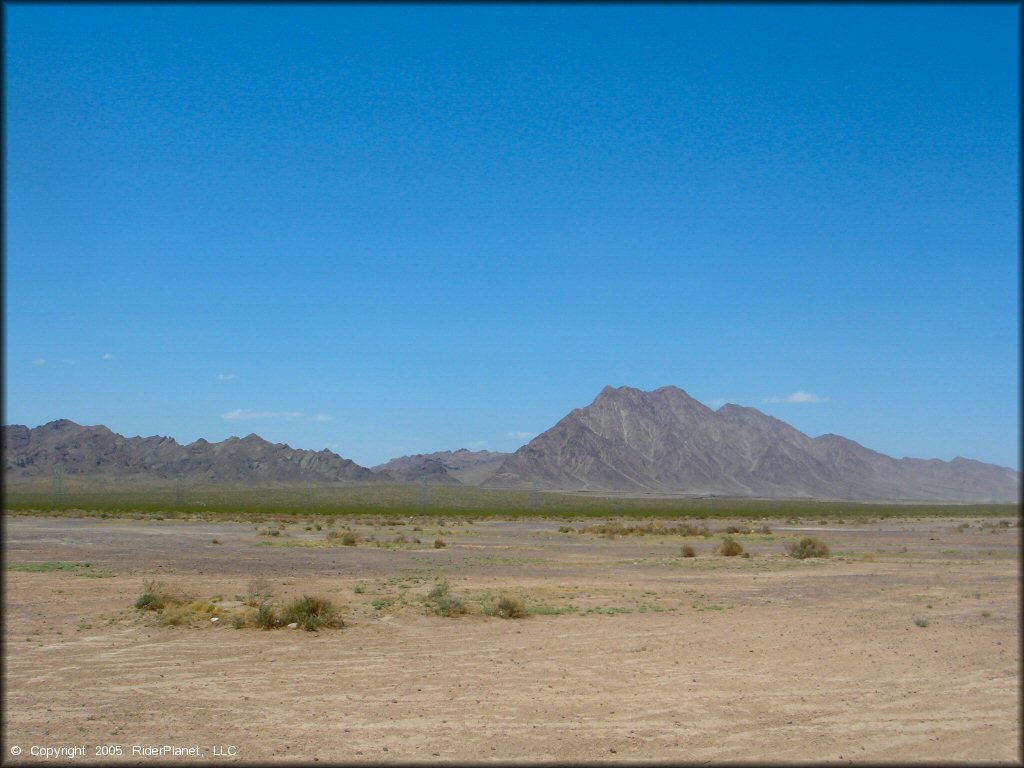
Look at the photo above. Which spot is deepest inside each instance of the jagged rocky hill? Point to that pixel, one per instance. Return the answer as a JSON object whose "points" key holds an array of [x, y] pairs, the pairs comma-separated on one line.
{"points": [[448, 467], [83, 451], [666, 442]]}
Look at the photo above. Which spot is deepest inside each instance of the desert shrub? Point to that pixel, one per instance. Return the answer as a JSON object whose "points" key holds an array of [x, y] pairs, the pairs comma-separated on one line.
{"points": [[686, 529], [565, 529], [729, 547], [311, 613], [182, 614], [347, 537], [449, 607], [509, 607], [732, 529], [440, 601], [257, 592], [921, 622], [808, 546], [265, 617], [156, 596], [439, 544], [687, 551]]}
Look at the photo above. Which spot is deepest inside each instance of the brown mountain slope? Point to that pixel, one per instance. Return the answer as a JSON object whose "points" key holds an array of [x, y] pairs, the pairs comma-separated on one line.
{"points": [[95, 451], [664, 441], [449, 467]]}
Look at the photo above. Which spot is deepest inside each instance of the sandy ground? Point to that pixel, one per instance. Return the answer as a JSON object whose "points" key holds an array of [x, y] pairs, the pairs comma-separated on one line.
{"points": [[658, 657]]}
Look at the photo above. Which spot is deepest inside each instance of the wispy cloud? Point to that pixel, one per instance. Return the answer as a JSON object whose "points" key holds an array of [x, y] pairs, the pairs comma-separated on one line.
{"points": [[804, 397], [476, 444], [242, 414], [796, 397], [321, 417], [718, 401], [68, 361], [225, 376], [106, 356], [39, 361], [522, 435]]}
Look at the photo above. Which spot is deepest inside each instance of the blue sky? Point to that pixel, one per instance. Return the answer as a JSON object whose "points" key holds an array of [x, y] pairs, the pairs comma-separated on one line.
{"points": [[400, 229]]}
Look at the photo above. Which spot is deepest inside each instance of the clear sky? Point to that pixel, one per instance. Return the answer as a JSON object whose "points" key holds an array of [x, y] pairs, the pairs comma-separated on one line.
{"points": [[401, 229]]}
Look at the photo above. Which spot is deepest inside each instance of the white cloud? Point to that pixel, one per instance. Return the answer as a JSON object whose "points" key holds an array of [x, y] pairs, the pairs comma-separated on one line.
{"points": [[804, 397], [225, 376], [522, 435], [796, 397], [321, 417], [107, 356], [241, 414], [718, 401], [39, 361]]}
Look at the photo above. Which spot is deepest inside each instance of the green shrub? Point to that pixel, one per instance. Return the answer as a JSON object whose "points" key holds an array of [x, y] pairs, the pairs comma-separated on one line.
{"points": [[311, 613], [439, 601], [921, 622], [808, 546], [729, 547], [265, 617]]}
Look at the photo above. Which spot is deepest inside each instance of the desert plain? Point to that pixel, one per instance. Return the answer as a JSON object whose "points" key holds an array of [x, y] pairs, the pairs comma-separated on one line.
{"points": [[902, 645]]}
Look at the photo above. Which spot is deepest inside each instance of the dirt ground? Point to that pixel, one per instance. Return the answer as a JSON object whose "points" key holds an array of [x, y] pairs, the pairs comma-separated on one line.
{"points": [[633, 652]]}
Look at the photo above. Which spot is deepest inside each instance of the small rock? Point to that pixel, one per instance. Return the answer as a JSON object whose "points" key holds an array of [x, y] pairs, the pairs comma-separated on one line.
{"points": [[612, 750], [293, 625], [214, 620]]}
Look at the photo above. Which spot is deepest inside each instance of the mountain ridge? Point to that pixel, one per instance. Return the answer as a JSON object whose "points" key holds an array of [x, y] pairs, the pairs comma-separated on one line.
{"points": [[625, 441], [665, 441]]}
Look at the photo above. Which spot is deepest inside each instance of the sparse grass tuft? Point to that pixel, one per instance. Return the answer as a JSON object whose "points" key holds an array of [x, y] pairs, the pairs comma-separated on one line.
{"points": [[439, 544], [156, 596], [808, 546], [729, 547], [687, 551]]}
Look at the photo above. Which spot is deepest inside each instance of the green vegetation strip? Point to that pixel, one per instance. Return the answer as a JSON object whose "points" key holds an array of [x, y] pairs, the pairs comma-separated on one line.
{"points": [[78, 569], [170, 502]]}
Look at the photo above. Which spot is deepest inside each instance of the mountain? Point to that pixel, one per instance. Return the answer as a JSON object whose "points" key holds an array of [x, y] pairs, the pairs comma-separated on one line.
{"points": [[666, 442], [449, 467], [76, 450]]}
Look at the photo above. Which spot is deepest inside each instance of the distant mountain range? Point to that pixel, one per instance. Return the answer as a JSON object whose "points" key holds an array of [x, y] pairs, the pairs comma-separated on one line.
{"points": [[666, 442], [626, 441], [75, 450]]}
